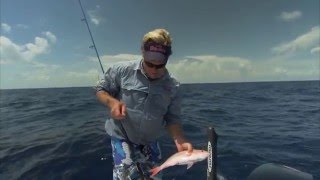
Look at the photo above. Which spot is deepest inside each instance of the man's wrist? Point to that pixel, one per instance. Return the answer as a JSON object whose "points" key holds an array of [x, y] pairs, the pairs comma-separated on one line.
{"points": [[179, 139]]}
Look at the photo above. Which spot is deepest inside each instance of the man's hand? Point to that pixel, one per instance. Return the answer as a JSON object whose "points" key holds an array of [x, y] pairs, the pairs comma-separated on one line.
{"points": [[183, 144], [176, 133], [118, 110]]}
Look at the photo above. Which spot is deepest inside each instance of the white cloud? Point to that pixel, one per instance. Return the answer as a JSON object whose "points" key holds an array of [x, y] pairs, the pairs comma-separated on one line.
{"points": [[120, 57], [93, 15], [91, 74], [22, 26], [9, 51], [5, 28], [210, 68], [12, 52], [40, 75], [190, 69], [303, 41], [109, 60], [3, 61], [290, 16], [80, 78], [50, 36], [315, 50], [30, 50]]}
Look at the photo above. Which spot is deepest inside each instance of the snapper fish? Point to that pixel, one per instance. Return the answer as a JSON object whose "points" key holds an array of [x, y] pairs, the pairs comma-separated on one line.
{"points": [[181, 158]]}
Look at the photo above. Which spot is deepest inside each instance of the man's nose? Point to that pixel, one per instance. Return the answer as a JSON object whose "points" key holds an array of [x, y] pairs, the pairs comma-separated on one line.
{"points": [[154, 69]]}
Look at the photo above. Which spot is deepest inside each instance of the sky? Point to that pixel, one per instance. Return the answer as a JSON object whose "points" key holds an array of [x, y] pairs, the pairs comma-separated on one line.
{"points": [[44, 43]]}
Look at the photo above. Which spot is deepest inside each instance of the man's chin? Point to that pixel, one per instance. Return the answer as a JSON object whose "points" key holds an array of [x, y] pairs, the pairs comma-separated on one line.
{"points": [[153, 77]]}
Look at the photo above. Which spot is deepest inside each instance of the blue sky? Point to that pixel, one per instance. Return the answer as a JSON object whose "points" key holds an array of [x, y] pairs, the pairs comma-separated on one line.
{"points": [[45, 44]]}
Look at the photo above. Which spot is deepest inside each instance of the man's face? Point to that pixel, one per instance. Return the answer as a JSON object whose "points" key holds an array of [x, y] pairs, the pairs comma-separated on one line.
{"points": [[154, 69]]}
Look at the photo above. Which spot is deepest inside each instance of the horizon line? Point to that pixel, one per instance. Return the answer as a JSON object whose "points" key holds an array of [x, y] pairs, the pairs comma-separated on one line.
{"points": [[231, 82]]}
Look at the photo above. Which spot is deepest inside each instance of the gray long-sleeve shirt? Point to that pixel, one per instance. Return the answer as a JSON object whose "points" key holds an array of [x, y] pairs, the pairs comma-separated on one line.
{"points": [[150, 105]]}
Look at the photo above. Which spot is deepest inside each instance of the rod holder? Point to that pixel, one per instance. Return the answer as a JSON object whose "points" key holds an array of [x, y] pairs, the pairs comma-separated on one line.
{"points": [[212, 149]]}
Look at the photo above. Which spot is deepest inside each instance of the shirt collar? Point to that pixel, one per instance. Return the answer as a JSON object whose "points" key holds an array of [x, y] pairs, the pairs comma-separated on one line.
{"points": [[138, 66]]}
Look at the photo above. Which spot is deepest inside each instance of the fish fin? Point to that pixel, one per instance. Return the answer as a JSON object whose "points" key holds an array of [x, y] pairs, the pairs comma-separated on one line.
{"points": [[155, 171], [189, 165]]}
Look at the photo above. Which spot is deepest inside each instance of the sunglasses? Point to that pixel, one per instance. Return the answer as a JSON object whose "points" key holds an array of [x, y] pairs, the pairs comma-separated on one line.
{"points": [[150, 65]]}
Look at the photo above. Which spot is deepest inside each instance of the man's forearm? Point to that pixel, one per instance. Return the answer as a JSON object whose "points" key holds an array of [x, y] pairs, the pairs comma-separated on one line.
{"points": [[105, 98], [176, 132]]}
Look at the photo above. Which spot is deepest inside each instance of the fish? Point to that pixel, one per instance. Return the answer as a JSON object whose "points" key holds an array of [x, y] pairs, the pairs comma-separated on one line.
{"points": [[181, 158]]}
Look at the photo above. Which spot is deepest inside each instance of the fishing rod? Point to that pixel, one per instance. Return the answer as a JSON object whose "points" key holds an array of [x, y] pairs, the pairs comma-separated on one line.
{"points": [[121, 126], [93, 44]]}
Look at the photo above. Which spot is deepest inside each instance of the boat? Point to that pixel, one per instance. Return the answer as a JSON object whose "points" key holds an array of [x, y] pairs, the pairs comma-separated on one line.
{"points": [[267, 171]]}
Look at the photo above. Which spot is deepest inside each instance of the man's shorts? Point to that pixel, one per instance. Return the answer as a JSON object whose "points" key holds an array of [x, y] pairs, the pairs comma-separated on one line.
{"points": [[128, 160]]}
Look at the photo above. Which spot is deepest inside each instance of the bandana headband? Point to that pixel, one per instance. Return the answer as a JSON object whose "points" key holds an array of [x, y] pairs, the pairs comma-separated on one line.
{"points": [[156, 52]]}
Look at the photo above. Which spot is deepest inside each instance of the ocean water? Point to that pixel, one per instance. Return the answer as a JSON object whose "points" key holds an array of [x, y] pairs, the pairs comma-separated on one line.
{"points": [[58, 133]]}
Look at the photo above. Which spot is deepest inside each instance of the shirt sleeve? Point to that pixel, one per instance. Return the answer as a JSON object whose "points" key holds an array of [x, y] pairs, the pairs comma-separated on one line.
{"points": [[110, 82], [173, 115]]}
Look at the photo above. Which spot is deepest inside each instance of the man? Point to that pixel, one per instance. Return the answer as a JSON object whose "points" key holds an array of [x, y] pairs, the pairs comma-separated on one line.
{"points": [[143, 100]]}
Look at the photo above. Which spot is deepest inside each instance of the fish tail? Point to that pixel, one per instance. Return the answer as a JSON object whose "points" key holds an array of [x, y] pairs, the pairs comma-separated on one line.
{"points": [[155, 171]]}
